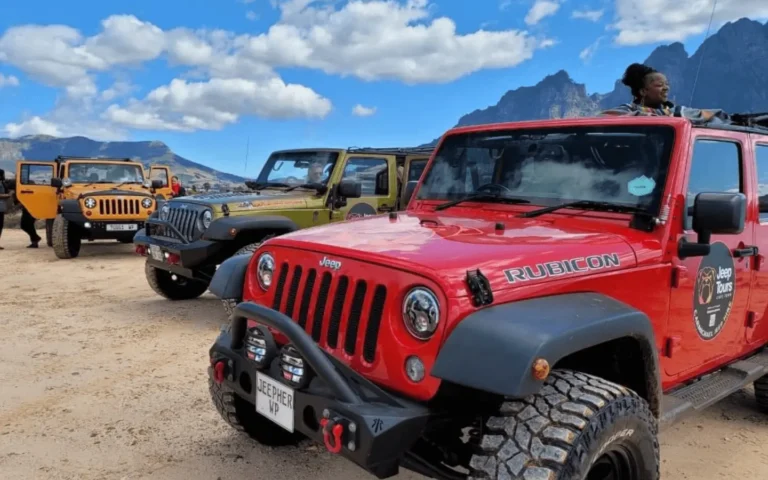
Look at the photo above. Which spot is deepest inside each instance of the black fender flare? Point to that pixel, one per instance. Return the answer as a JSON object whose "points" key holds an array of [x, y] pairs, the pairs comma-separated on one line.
{"points": [[229, 279], [493, 349], [70, 210], [220, 228]]}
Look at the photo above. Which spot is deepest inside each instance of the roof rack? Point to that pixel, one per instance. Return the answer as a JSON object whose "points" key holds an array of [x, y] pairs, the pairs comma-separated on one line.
{"points": [[753, 120], [392, 150], [80, 157]]}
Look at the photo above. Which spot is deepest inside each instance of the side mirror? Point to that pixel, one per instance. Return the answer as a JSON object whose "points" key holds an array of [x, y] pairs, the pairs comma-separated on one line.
{"points": [[410, 187], [714, 213], [56, 182], [157, 184], [349, 188]]}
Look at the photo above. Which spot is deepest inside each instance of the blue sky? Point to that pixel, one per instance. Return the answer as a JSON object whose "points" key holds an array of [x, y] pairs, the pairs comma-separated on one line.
{"points": [[205, 75]]}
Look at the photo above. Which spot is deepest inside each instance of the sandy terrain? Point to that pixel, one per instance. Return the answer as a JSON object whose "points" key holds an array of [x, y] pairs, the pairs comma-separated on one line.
{"points": [[102, 379]]}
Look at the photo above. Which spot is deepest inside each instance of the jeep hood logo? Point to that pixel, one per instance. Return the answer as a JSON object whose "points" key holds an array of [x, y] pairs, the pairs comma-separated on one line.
{"points": [[332, 264]]}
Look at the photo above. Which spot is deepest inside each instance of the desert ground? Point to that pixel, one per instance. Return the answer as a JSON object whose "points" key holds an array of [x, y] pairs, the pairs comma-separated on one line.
{"points": [[102, 379]]}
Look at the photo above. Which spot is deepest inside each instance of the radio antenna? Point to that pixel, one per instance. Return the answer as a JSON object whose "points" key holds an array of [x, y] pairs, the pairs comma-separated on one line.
{"points": [[703, 47]]}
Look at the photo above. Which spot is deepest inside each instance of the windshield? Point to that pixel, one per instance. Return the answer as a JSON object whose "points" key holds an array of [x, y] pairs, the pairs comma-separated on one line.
{"points": [[625, 165], [297, 168], [105, 173]]}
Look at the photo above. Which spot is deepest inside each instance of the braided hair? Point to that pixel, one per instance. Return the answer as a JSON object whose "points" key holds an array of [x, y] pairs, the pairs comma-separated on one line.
{"points": [[635, 77]]}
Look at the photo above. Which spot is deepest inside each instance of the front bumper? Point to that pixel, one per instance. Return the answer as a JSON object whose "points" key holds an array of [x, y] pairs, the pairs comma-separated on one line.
{"points": [[350, 415], [104, 229], [188, 255]]}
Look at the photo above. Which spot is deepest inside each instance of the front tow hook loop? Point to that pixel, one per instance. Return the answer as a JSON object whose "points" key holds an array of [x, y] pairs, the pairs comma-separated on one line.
{"points": [[218, 372], [333, 430]]}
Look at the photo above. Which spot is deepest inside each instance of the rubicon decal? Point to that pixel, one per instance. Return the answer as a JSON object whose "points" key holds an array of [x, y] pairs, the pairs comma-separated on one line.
{"points": [[557, 268], [714, 291]]}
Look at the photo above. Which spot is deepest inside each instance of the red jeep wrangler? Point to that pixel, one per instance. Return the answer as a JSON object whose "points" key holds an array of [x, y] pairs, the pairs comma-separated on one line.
{"points": [[555, 292]]}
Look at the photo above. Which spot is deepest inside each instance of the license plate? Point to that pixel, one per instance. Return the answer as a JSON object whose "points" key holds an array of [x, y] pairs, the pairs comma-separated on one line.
{"points": [[156, 253], [275, 401], [122, 227]]}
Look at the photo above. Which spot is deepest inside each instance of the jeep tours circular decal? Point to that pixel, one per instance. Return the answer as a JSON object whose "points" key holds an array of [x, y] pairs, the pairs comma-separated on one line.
{"points": [[713, 291], [360, 210]]}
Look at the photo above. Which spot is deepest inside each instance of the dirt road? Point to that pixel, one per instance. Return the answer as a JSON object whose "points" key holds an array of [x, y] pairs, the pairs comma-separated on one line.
{"points": [[102, 379]]}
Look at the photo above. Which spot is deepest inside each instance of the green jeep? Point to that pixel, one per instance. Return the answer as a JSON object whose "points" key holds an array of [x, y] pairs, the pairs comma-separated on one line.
{"points": [[187, 238]]}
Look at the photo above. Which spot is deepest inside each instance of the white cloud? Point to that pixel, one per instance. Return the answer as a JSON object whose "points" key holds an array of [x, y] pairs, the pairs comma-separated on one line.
{"points": [[228, 75], [540, 10], [185, 106], [361, 111], [251, 15], [587, 54], [8, 81], [651, 21], [590, 15]]}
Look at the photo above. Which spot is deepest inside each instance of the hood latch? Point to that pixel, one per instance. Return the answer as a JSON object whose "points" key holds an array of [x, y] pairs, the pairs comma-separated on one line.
{"points": [[480, 288]]}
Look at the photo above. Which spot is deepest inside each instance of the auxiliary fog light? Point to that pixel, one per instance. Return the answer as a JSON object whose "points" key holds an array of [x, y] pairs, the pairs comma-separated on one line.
{"points": [[87, 224], [293, 367], [414, 368], [259, 347]]}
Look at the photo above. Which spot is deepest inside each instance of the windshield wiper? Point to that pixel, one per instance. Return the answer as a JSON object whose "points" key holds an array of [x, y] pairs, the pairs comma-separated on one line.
{"points": [[260, 186], [313, 186], [591, 204], [481, 196]]}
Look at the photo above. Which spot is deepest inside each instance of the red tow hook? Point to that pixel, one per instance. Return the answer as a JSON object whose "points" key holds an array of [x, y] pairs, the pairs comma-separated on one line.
{"points": [[335, 429], [218, 372]]}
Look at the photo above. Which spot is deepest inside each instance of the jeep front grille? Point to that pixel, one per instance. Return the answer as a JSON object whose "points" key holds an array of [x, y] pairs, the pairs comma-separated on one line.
{"points": [[323, 318], [185, 221], [114, 206]]}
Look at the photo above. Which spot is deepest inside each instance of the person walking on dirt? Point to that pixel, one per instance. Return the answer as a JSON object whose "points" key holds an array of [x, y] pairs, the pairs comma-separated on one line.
{"points": [[28, 225]]}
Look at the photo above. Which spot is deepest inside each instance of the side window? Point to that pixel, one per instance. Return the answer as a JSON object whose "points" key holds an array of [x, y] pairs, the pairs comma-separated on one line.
{"points": [[36, 174], [761, 158], [372, 173], [715, 167], [416, 169], [159, 174]]}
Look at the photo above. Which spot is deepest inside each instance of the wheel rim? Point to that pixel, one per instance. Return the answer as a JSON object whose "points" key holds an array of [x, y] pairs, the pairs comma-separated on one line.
{"points": [[617, 463]]}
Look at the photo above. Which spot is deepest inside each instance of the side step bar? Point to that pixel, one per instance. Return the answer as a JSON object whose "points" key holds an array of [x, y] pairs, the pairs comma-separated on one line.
{"points": [[712, 388]]}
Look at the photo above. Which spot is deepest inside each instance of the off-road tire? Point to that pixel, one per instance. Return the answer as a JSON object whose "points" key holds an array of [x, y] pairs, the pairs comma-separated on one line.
{"points": [[162, 283], [66, 239], [559, 432], [241, 415], [761, 393], [49, 233], [229, 304]]}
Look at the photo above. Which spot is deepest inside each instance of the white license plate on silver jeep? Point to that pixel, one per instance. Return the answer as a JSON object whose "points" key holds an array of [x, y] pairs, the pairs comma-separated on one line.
{"points": [[156, 253]]}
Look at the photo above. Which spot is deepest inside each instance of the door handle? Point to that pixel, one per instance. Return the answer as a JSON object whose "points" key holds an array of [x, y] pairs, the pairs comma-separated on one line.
{"points": [[748, 251], [27, 191]]}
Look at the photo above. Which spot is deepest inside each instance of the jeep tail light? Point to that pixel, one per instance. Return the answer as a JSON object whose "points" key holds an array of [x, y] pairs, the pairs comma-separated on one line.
{"points": [[141, 250]]}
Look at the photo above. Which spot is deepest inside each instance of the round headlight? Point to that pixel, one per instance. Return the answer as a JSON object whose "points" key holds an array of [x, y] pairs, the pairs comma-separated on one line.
{"points": [[207, 218], [90, 203], [265, 270], [164, 212], [421, 313], [146, 203]]}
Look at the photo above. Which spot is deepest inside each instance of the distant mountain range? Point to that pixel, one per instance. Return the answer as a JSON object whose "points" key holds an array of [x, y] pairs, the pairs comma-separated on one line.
{"points": [[733, 76], [44, 147]]}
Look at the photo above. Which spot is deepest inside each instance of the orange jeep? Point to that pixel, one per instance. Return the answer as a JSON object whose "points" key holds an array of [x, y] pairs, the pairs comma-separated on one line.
{"points": [[88, 198]]}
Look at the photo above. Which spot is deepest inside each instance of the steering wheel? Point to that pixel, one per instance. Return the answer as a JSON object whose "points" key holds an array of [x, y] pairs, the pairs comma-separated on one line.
{"points": [[491, 186]]}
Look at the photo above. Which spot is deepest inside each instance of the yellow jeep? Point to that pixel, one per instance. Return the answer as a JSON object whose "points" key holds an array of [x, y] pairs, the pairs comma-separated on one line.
{"points": [[87, 198]]}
